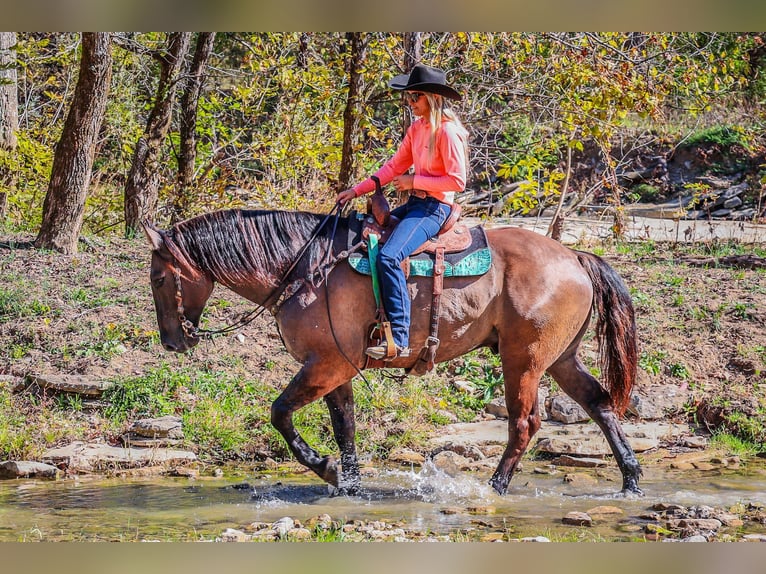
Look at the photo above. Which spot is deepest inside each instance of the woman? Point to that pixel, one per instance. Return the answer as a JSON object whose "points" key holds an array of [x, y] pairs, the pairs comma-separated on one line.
{"points": [[436, 145]]}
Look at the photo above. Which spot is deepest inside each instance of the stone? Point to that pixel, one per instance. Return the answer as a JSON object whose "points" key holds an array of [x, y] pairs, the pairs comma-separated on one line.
{"points": [[26, 469], [580, 479], [577, 519], [604, 511], [406, 456], [656, 401], [162, 427], [695, 441], [535, 539], [299, 534], [450, 462], [71, 384], [283, 526], [233, 535], [14, 384], [695, 538], [754, 538], [694, 523], [87, 457], [563, 409], [566, 460]]}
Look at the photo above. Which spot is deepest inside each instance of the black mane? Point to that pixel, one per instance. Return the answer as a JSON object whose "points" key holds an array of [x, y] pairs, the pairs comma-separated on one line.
{"points": [[235, 245]]}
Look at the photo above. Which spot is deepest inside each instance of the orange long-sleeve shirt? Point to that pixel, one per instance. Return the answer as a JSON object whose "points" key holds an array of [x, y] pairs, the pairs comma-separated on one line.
{"points": [[440, 174]]}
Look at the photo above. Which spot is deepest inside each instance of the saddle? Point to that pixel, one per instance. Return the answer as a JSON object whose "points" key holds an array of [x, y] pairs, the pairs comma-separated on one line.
{"points": [[378, 225]]}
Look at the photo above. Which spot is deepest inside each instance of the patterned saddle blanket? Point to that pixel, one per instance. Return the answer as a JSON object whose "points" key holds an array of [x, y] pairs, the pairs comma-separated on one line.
{"points": [[473, 258]]}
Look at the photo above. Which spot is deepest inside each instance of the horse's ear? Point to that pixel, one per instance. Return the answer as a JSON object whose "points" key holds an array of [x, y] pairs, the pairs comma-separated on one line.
{"points": [[154, 235]]}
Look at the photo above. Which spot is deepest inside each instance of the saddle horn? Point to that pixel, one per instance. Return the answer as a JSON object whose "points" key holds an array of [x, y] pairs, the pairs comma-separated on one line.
{"points": [[378, 205]]}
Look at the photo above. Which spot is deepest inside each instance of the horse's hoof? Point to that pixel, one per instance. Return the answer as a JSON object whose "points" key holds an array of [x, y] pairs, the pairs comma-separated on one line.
{"points": [[499, 485], [345, 491], [328, 471]]}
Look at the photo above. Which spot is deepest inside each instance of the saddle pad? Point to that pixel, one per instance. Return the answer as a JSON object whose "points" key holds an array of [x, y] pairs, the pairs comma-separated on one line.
{"points": [[471, 262]]}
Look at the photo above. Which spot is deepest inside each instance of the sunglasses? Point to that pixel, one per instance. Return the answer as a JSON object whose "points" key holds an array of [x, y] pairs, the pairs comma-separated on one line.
{"points": [[412, 97]]}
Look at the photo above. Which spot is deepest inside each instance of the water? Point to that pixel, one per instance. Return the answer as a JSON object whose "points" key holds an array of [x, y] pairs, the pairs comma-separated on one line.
{"points": [[424, 500]]}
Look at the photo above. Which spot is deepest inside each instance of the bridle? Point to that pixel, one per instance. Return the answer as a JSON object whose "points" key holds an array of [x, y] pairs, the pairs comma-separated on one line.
{"points": [[279, 296]]}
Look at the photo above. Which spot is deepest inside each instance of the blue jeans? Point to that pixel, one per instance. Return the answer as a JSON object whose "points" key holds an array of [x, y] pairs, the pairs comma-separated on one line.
{"points": [[421, 219]]}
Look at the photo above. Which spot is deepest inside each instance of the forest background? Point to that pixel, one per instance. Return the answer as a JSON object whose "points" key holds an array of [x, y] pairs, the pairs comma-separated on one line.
{"points": [[99, 131]]}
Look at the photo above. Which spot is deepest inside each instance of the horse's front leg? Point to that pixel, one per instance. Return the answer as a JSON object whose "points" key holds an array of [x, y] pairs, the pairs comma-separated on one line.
{"points": [[311, 383]]}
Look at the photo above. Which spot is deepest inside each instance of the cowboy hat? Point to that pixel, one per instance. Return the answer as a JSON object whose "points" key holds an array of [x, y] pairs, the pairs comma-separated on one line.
{"points": [[425, 79]]}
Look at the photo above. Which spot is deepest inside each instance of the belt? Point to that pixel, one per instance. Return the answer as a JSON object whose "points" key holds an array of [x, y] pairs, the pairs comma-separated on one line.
{"points": [[419, 193]]}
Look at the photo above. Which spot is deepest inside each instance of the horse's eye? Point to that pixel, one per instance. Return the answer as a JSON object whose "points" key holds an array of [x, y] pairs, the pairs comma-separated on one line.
{"points": [[159, 281]]}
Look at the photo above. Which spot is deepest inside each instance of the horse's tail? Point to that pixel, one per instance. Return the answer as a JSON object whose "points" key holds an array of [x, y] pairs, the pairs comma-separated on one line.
{"points": [[615, 329]]}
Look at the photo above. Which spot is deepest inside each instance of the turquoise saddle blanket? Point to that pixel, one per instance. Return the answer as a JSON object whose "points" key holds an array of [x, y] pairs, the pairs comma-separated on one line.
{"points": [[473, 261]]}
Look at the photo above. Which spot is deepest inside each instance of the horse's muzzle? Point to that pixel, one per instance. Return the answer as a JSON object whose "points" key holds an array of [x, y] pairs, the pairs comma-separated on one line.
{"points": [[179, 345]]}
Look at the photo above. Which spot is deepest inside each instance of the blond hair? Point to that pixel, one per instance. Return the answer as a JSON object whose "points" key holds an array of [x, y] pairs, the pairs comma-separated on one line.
{"points": [[438, 110]]}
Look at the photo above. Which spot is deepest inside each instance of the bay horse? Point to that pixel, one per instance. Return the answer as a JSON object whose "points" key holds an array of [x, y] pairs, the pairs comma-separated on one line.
{"points": [[533, 307]]}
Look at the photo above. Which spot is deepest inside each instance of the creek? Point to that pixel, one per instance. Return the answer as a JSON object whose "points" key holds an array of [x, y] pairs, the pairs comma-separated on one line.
{"points": [[420, 499]]}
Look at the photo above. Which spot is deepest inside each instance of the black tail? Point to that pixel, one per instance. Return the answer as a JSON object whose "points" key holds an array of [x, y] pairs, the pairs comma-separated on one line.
{"points": [[615, 329]]}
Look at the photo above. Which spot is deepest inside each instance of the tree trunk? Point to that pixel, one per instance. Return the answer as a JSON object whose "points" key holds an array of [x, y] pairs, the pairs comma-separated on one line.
{"points": [[9, 117], [413, 52], [353, 112], [142, 185], [188, 125], [73, 159]]}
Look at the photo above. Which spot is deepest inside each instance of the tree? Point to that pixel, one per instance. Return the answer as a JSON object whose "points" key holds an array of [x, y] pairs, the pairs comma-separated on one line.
{"points": [[188, 124], [353, 111], [9, 116], [142, 185], [73, 159]]}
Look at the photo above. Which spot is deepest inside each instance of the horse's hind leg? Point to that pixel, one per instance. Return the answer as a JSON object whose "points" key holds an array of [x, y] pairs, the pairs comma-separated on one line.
{"points": [[340, 402], [578, 383], [312, 382], [523, 420]]}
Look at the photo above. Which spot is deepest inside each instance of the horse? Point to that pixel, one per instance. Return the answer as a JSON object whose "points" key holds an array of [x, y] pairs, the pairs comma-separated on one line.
{"points": [[533, 307]]}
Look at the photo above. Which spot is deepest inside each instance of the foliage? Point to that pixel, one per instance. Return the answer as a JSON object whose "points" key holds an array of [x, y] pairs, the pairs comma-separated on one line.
{"points": [[270, 118]]}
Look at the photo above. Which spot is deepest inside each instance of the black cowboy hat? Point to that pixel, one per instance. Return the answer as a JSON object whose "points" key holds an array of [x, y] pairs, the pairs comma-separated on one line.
{"points": [[425, 79]]}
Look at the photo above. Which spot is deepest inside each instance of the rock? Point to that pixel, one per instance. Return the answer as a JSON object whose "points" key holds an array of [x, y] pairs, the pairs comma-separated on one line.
{"points": [[406, 456], [80, 456], [299, 534], [137, 440], [603, 511], [283, 526], [656, 401], [15, 384], [466, 450], [323, 522], [233, 535], [695, 538], [694, 524], [71, 384], [450, 462], [535, 539], [492, 537], [162, 427], [566, 460], [580, 479], [695, 441], [754, 538], [497, 408], [27, 469], [577, 519], [466, 387], [563, 409]]}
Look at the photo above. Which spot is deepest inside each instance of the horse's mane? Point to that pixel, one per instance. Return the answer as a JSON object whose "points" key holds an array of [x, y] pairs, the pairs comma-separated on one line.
{"points": [[235, 245]]}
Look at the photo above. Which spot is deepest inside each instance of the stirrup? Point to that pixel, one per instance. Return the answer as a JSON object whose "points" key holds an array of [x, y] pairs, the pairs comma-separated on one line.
{"points": [[379, 352]]}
